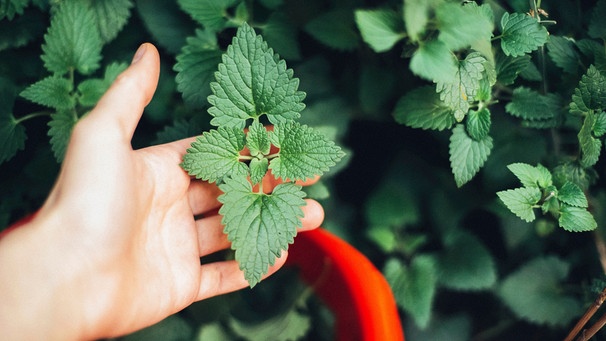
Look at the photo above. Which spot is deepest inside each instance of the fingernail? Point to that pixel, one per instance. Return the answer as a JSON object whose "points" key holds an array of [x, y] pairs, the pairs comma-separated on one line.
{"points": [[139, 54]]}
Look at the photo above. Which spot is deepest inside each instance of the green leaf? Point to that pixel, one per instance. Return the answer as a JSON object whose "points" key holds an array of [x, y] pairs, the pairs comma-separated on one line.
{"points": [[195, 67], [9, 8], [435, 62], [458, 93], [478, 124], [71, 41], [530, 105], [290, 325], [467, 155], [422, 108], [599, 126], [166, 22], [303, 153], [21, 30], [591, 147], [111, 16], [530, 176], [413, 286], [562, 52], [216, 154], [91, 90], [462, 25], [12, 137], [576, 219], [251, 82], [54, 92], [61, 125], [259, 226], [534, 292], [212, 14], [416, 16], [508, 68], [521, 201], [393, 206], [521, 34], [172, 328], [335, 29], [257, 139], [281, 34], [572, 195], [466, 264], [591, 92], [597, 27], [381, 28], [258, 169]]}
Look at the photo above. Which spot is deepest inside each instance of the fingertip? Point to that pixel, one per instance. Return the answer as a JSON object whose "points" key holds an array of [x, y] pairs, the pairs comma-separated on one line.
{"points": [[313, 215]]}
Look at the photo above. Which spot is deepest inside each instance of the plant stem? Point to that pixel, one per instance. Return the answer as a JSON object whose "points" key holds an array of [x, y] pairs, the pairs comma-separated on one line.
{"points": [[33, 115], [585, 318]]}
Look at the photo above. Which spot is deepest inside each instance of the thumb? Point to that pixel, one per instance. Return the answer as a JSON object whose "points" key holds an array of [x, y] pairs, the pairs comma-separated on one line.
{"points": [[121, 107]]}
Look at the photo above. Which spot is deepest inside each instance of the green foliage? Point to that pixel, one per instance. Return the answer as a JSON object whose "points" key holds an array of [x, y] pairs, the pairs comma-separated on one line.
{"points": [[521, 34], [467, 155], [379, 28]]}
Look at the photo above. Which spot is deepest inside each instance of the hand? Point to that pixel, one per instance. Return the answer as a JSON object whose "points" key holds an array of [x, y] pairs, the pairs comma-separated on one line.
{"points": [[116, 247]]}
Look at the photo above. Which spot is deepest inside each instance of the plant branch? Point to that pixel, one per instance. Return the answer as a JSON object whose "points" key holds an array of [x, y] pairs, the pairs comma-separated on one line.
{"points": [[585, 318], [33, 115]]}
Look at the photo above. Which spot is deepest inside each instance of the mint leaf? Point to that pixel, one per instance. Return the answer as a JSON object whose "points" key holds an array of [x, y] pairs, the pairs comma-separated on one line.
{"points": [[251, 82], [530, 176], [212, 14], [91, 90], [303, 153], [576, 219], [521, 34], [478, 124], [414, 286], [257, 139], [508, 68], [591, 92], [335, 29], [71, 41], [599, 126], [422, 108], [597, 27], [292, 324], [258, 169], [12, 136], [259, 226], [381, 28], [216, 154], [591, 147], [463, 88], [416, 16], [195, 67], [521, 201], [462, 25], [281, 34], [111, 16], [435, 62], [562, 52], [534, 292], [61, 125], [9, 8], [572, 195], [54, 92], [529, 104], [467, 155]]}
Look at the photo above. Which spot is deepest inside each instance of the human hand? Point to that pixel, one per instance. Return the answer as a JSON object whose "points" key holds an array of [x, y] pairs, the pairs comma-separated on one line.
{"points": [[116, 247]]}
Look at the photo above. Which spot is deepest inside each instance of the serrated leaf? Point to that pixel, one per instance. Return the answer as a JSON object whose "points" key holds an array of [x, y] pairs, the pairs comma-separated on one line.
{"points": [[467, 155], [458, 93], [216, 154], [281, 34], [576, 219], [380, 28], [591, 92], [462, 25], [257, 139], [9, 8], [71, 42], [195, 67], [466, 264], [435, 62], [521, 201], [561, 51], [53, 91], [111, 16], [478, 123], [61, 125], [413, 286], [521, 34], [303, 153], [335, 29], [597, 27], [531, 176], [530, 105], [422, 108], [534, 293], [251, 82], [599, 126], [212, 14], [258, 169], [591, 147], [572, 195], [416, 16], [12, 137], [259, 226], [594, 51], [91, 90], [291, 325], [508, 68]]}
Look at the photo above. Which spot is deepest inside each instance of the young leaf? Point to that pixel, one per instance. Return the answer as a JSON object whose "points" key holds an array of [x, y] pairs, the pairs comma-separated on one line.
{"points": [[572, 195], [530, 105], [462, 25], [61, 124], [534, 293], [467, 155], [591, 147], [210, 13], [478, 124], [251, 82], [195, 67], [422, 108], [258, 169], [414, 286], [435, 62], [12, 136], [111, 16], [530, 176], [521, 34], [303, 154], [336, 29], [599, 126], [590, 94], [257, 139], [521, 201], [259, 226], [562, 52], [381, 29], [416, 16], [71, 41], [52, 91], [576, 219], [216, 154]]}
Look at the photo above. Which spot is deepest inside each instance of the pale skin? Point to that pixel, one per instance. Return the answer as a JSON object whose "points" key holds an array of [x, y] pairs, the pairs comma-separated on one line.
{"points": [[116, 247]]}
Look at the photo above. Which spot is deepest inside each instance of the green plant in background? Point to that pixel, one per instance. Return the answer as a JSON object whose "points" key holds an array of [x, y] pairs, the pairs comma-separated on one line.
{"points": [[505, 97]]}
